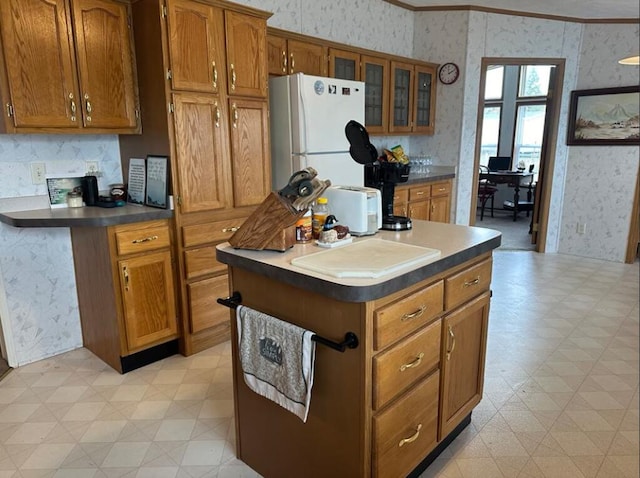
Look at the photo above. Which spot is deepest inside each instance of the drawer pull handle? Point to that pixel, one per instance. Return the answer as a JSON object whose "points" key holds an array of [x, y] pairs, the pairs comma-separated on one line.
{"points": [[415, 363], [230, 229], [414, 315], [144, 239], [419, 193], [453, 343], [472, 282], [412, 438]]}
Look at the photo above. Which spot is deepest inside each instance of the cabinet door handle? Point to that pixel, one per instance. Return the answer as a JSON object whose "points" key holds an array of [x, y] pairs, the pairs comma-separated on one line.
{"points": [[284, 61], [235, 115], [233, 77], [415, 363], [414, 315], [72, 107], [230, 229], [125, 276], [433, 207], [144, 239], [412, 438], [453, 343], [215, 74], [216, 114], [472, 282], [87, 106], [293, 63]]}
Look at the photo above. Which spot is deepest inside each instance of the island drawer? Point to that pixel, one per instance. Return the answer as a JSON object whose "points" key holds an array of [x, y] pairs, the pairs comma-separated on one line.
{"points": [[142, 237], [467, 284], [403, 433], [398, 368], [406, 315]]}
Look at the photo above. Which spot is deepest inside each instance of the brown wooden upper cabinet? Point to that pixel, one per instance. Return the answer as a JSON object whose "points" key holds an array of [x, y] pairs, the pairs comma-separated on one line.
{"points": [[287, 56], [375, 74], [68, 67], [246, 43], [412, 98], [344, 64], [196, 46]]}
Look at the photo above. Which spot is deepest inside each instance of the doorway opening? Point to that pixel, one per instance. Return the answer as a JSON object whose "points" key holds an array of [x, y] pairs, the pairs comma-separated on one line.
{"points": [[518, 112]]}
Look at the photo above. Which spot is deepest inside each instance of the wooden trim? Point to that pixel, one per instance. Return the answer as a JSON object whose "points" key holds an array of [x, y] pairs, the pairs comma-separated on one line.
{"points": [[502, 11], [634, 227], [345, 47]]}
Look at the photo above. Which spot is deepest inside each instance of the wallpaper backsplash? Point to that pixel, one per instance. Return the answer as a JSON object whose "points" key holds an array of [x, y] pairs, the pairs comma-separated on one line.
{"points": [[38, 304]]}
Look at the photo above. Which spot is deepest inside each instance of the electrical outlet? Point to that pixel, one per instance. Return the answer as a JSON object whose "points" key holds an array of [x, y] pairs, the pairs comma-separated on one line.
{"points": [[38, 172], [93, 168], [581, 228]]}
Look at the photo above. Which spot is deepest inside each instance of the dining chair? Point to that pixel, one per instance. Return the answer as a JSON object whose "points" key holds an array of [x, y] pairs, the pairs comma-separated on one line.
{"points": [[486, 191]]}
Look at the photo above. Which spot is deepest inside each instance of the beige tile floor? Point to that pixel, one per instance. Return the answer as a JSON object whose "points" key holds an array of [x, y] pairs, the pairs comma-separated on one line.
{"points": [[561, 393]]}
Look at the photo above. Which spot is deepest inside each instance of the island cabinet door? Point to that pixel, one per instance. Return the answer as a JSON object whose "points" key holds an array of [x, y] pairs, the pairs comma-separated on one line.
{"points": [[464, 339], [148, 297]]}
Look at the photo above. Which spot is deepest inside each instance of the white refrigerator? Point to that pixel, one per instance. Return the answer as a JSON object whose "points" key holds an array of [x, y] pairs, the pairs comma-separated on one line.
{"points": [[308, 115]]}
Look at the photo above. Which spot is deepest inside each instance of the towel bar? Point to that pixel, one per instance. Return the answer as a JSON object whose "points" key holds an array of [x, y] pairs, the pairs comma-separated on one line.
{"points": [[350, 339]]}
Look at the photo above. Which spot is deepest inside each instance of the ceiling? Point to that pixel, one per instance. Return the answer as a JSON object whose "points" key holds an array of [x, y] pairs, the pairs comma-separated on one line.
{"points": [[574, 9]]}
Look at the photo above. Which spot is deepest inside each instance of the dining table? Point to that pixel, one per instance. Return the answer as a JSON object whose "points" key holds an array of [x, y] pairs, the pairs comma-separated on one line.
{"points": [[516, 179]]}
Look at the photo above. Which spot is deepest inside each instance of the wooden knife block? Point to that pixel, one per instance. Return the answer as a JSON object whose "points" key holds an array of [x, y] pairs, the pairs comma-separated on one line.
{"points": [[271, 226]]}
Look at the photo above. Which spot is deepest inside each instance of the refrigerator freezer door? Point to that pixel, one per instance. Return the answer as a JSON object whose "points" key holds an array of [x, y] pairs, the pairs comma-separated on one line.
{"points": [[339, 168], [320, 110]]}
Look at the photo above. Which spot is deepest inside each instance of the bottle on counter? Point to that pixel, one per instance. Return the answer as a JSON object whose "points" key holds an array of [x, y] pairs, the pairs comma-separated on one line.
{"points": [[320, 211], [304, 232]]}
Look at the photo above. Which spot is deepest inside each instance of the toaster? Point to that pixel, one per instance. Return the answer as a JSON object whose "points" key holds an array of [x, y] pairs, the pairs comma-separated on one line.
{"points": [[359, 208]]}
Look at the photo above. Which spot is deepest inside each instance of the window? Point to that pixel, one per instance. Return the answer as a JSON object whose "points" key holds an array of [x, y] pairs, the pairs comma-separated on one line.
{"points": [[528, 137], [490, 133]]}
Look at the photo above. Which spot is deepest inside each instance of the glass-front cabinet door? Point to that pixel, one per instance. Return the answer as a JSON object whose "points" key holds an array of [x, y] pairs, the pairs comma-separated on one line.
{"points": [[374, 72], [401, 101], [425, 98], [344, 64]]}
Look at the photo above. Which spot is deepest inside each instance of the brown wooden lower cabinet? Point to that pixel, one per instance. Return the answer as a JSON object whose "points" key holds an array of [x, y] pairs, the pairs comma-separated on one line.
{"points": [[429, 201], [125, 281], [382, 408]]}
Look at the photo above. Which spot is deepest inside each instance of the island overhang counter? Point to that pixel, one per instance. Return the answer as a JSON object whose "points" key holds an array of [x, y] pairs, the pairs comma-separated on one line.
{"points": [[390, 405]]}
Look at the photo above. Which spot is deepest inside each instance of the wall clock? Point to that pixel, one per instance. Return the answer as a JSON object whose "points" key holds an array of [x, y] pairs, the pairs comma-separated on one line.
{"points": [[448, 73]]}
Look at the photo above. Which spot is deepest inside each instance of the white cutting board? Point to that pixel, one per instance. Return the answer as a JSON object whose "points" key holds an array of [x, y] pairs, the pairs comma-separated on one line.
{"points": [[369, 258]]}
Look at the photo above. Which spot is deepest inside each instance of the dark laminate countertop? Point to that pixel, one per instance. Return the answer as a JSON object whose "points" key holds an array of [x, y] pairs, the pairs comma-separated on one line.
{"points": [[436, 173], [83, 216], [457, 244]]}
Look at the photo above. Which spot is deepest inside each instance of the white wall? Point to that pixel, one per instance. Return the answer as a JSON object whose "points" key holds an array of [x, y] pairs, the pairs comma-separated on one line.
{"points": [[38, 299], [600, 180]]}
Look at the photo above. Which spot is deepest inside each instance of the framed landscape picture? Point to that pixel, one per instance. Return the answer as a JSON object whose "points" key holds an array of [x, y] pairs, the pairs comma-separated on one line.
{"points": [[157, 177], [606, 116]]}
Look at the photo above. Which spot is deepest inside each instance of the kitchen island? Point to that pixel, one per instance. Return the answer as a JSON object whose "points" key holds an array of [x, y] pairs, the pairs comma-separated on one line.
{"points": [[387, 407]]}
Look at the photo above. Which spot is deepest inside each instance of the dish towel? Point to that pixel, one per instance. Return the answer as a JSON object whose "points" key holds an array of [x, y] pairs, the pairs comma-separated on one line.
{"points": [[277, 359]]}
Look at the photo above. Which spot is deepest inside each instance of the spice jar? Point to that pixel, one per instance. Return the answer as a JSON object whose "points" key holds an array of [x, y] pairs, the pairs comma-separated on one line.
{"points": [[303, 228], [74, 199]]}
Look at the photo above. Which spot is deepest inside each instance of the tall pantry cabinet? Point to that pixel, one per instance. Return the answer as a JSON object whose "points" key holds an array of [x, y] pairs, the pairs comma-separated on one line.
{"points": [[203, 93]]}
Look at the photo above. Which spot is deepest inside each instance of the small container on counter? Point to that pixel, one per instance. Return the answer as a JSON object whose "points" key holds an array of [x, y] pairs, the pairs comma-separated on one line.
{"points": [[118, 192], [74, 199], [320, 211], [304, 231]]}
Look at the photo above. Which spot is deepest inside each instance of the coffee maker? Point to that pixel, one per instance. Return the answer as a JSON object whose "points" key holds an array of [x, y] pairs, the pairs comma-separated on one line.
{"points": [[382, 175]]}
